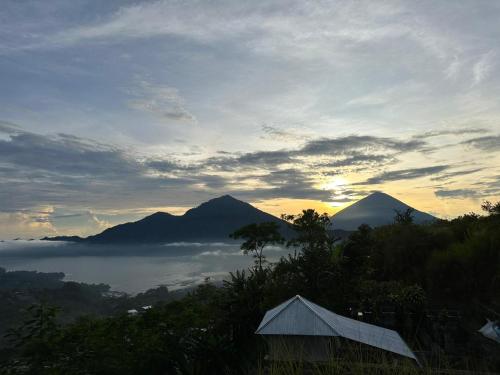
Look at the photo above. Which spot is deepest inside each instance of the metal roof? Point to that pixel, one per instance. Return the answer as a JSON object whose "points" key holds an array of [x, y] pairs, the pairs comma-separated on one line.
{"points": [[300, 317]]}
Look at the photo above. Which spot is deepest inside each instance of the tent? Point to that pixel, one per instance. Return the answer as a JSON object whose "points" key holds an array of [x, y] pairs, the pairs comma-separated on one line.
{"points": [[491, 330], [300, 323]]}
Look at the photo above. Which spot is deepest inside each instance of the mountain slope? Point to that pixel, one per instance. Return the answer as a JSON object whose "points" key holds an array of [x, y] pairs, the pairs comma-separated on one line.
{"points": [[376, 209], [212, 220]]}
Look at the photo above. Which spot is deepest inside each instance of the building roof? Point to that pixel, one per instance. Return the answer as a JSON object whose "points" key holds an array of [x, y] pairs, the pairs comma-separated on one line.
{"points": [[300, 317]]}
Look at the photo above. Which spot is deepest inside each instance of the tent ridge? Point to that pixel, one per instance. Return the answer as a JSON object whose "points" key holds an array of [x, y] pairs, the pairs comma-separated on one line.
{"points": [[305, 302], [286, 303]]}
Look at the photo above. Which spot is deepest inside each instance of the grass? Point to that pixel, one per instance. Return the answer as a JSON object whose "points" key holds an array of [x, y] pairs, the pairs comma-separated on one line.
{"points": [[356, 360]]}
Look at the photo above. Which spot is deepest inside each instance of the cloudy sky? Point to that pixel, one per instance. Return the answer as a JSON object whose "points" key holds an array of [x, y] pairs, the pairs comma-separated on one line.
{"points": [[110, 110]]}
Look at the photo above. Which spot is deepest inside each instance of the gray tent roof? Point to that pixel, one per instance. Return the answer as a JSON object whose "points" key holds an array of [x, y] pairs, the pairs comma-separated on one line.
{"points": [[301, 317]]}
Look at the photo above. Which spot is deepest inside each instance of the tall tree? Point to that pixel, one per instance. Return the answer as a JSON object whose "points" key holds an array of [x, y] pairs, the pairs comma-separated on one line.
{"points": [[257, 237], [312, 230]]}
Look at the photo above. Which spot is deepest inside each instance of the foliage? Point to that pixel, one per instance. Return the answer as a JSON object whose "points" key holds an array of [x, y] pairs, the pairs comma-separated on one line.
{"points": [[433, 283], [491, 208], [257, 237], [404, 217]]}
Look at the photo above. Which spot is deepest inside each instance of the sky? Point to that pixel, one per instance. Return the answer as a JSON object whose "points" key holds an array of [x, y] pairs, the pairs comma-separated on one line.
{"points": [[111, 110]]}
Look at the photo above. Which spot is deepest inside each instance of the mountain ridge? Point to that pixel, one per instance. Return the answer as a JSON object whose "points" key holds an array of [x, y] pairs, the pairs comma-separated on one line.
{"points": [[211, 220], [216, 218]]}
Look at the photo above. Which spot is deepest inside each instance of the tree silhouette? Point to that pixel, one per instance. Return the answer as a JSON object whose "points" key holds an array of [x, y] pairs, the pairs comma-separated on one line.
{"points": [[257, 237], [491, 208], [404, 217]]}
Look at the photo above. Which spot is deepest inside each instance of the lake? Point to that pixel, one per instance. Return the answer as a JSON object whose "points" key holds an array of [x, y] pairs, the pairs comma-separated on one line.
{"points": [[131, 269]]}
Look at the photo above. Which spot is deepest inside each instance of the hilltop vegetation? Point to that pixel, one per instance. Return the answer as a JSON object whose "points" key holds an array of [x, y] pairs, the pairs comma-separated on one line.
{"points": [[434, 283]]}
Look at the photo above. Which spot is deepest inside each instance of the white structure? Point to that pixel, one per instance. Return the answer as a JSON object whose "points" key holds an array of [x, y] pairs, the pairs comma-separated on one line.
{"points": [[316, 331], [491, 330]]}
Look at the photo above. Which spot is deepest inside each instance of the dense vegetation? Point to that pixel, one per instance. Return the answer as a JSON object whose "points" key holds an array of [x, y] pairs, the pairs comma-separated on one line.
{"points": [[20, 291], [433, 283]]}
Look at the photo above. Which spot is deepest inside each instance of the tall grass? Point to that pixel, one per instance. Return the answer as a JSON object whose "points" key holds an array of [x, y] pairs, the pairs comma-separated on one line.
{"points": [[354, 360]]}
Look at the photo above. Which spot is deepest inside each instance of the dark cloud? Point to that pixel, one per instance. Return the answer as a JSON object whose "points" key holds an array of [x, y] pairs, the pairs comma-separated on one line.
{"points": [[457, 132], [65, 170], [288, 183], [265, 158], [488, 143], [170, 166], [457, 193], [357, 149], [278, 133], [361, 159], [290, 191], [252, 160], [449, 175], [9, 128], [346, 145], [491, 185], [404, 174], [64, 154]]}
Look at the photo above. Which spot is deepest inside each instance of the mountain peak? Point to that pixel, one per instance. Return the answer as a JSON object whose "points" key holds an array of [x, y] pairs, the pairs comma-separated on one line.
{"points": [[158, 215], [375, 209], [224, 203]]}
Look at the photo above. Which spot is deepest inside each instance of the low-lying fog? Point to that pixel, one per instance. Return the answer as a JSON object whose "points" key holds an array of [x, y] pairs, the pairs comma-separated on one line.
{"points": [[127, 268]]}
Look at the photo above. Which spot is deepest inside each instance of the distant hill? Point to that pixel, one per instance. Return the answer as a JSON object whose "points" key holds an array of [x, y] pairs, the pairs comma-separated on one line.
{"points": [[212, 220], [375, 210]]}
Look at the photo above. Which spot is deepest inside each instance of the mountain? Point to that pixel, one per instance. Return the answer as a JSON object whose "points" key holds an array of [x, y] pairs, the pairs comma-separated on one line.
{"points": [[212, 220], [376, 209]]}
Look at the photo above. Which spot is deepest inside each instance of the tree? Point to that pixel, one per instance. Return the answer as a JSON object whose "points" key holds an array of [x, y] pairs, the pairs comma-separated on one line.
{"points": [[491, 208], [34, 339], [404, 217], [312, 230], [257, 237], [311, 270]]}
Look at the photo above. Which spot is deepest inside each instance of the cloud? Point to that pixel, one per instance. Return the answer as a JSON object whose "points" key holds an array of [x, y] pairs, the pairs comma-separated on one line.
{"points": [[488, 143], [169, 166], [64, 153], [344, 145], [67, 170], [449, 175], [456, 132], [292, 29], [457, 193], [483, 66], [9, 128], [361, 159], [30, 224], [162, 101], [355, 149], [275, 133], [404, 174], [79, 177]]}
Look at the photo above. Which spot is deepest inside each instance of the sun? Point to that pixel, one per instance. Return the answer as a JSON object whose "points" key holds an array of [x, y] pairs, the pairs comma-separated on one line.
{"points": [[335, 184]]}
